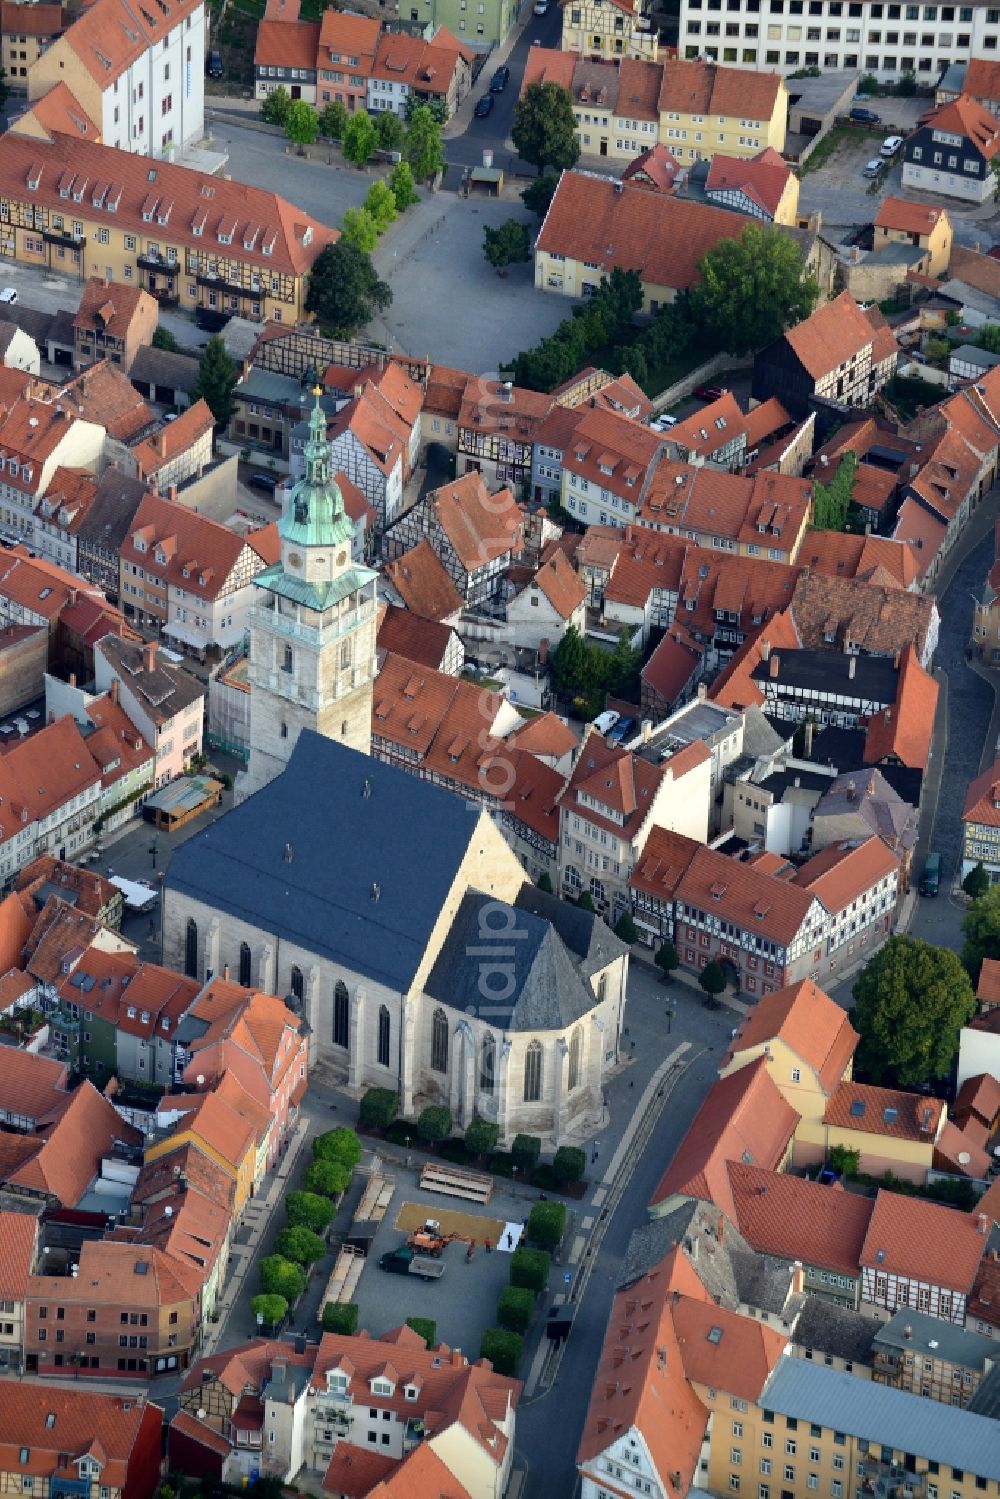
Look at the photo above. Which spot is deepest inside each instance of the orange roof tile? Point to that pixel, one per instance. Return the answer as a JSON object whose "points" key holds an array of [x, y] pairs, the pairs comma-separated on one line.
{"points": [[286, 44], [830, 335], [797, 1219], [725, 1350], [908, 217], [545, 734], [71, 1152], [343, 35], [923, 1241], [549, 65], [709, 89], [354, 1471], [58, 111], [172, 439], [424, 641], [809, 1022], [561, 584], [903, 731], [774, 909], [762, 179], [979, 1095], [480, 526], [31, 20], [657, 165], [423, 583], [885, 1111], [982, 800], [988, 988], [198, 554], [18, 1247], [110, 35], [109, 306], [961, 1150], [963, 116], [82, 1421], [840, 873]]}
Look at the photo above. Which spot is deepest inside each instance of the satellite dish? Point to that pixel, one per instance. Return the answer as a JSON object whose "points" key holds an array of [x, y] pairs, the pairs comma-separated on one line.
{"points": [[168, 1212], [200, 1080], [964, 1158]]}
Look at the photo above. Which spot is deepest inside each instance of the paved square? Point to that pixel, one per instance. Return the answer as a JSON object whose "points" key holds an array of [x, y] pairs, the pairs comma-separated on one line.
{"points": [[413, 1215]]}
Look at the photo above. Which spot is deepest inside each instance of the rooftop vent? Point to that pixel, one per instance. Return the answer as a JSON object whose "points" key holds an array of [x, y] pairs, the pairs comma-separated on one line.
{"points": [[288, 853]]}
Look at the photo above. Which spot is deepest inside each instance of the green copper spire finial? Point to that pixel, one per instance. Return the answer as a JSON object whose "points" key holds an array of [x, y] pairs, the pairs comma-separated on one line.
{"points": [[315, 513]]}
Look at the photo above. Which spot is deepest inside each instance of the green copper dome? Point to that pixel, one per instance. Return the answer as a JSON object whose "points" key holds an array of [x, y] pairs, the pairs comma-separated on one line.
{"points": [[315, 516]]}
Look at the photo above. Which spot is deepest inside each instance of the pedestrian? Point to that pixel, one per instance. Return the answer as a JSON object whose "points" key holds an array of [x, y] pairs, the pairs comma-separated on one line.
{"points": [[469, 1251], [488, 1246], [510, 1239]]}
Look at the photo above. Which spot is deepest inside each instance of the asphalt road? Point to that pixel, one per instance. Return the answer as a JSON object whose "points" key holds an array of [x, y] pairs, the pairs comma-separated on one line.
{"points": [[494, 131]]}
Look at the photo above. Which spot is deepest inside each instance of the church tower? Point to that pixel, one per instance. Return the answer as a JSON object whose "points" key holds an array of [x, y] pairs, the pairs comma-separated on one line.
{"points": [[312, 626]]}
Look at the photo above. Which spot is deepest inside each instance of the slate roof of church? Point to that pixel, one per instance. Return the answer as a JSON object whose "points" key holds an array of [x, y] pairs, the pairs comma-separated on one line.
{"points": [[523, 983], [344, 844], [589, 938]]}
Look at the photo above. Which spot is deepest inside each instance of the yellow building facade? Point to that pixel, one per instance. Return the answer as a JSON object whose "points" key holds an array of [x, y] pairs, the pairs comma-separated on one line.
{"points": [[902, 222], [609, 29]]}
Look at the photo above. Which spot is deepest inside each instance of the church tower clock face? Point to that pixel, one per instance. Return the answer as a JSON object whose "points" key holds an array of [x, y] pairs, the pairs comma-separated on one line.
{"points": [[294, 560]]}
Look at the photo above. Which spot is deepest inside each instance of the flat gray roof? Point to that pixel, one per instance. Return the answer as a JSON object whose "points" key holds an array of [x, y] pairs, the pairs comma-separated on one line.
{"points": [[698, 720], [916, 1332], [888, 1417]]}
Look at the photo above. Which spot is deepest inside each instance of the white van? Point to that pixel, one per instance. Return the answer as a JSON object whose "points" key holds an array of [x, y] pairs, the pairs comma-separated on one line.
{"points": [[605, 722]]}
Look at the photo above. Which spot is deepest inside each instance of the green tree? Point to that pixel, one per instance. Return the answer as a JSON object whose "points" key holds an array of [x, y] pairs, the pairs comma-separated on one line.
{"points": [[503, 1349], [530, 1268], [381, 204], [831, 502], [434, 1122], [217, 379], [510, 244], [164, 339], [585, 901], [546, 1224], [359, 139], [281, 1277], [340, 1316], [481, 1135], [869, 84], [622, 668], [712, 979], [544, 127], [402, 186], [570, 662], [360, 229], [667, 958], [525, 1151], [545, 883], [988, 337], [844, 1160], [626, 929], [390, 130], [976, 882], [438, 108], [516, 1308], [539, 193], [301, 1245], [332, 121], [910, 1002], [309, 1210], [569, 1163], [423, 147], [906, 84], [379, 1107], [937, 350], [344, 289], [274, 110], [301, 124], [981, 929], [426, 1327], [328, 1178], [752, 288], [270, 1309], [338, 1145]]}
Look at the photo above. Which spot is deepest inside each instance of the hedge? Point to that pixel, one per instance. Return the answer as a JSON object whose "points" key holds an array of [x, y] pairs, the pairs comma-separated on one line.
{"points": [[516, 1308], [340, 1316], [426, 1327], [547, 1223], [530, 1268], [503, 1349]]}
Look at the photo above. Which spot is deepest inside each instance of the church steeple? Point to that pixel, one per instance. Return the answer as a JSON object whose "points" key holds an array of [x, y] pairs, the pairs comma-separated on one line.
{"points": [[315, 514]]}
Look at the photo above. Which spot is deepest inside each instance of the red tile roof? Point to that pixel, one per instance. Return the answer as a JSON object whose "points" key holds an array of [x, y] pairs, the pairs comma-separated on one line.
{"points": [[198, 554], [885, 1111], [286, 44], [923, 1241], [830, 336], [58, 112], [903, 731], [657, 164], [963, 116], [908, 217], [809, 1022], [797, 1219], [55, 1423], [561, 584], [742, 1115], [662, 863], [988, 988], [423, 583], [480, 526], [961, 1150], [982, 800], [18, 1246], [725, 1350], [172, 440], [710, 89], [763, 178], [979, 1096], [546, 735], [843, 871], [775, 909], [613, 778], [846, 556], [70, 1154], [31, 20], [424, 641]]}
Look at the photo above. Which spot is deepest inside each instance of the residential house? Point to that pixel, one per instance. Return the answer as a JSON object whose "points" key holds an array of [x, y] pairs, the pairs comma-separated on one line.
{"points": [[34, 1089], [420, 582], [166, 703], [952, 152], [405, 67], [839, 354], [58, 1168], [113, 323], [553, 436], [610, 805], [986, 616], [97, 531], [474, 534], [425, 642], [187, 574], [370, 444], [497, 428], [655, 169], [183, 235], [716, 435], [807, 1041], [864, 616], [85, 889], [285, 56], [920, 1255], [861, 803], [772, 802], [978, 1100], [607, 468], [18, 1255], [226, 1135], [762, 186], [621, 29], [858, 884], [344, 59], [179, 450], [140, 78], [25, 32], [912, 1351], [891, 1130], [553, 602], [981, 825], [901, 221], [94, 1441], [39, 437], [766, 516]]}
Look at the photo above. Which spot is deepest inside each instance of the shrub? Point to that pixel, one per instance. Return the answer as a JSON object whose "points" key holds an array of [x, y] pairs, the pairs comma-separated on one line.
{"points": [[625, 928], [545, 883], [309, 1210], [338, 1145], [401, 1132], [281, 1277], [585, 901], [270, 1309], [526, 1149], [300, 1244], [976, 882], [434, 1122], [543, 1177], [481, 1136], [666, 958], [569, 1163], [379, 1107], [328, 1178], [503, 1349], [844, 1160], [500, 1164], [547, 1223], [454, 1151], [426, 1327], [340, 1316], [530, 1268], [516, 1308], [712, 979]]}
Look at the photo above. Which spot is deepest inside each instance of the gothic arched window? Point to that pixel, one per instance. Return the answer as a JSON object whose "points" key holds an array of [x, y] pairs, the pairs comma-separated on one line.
{"points": [[575, 1053], [487, 1064], [439, 1041], [341, 1014], [533, 1072], [298, 982], [383, 1036], [244, 977], [191, 949]]}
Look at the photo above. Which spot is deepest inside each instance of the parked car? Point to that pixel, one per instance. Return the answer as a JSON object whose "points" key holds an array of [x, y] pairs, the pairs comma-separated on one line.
{"points": [[605, 722], [623, 729], [662, 423], [930, 880], [710, 392], [269, 482], [8, 295], [891, 145], [500, 79], [874, 168], [404, 1262], [541, 7], [213, 65], [864, 116], [484, 107]]}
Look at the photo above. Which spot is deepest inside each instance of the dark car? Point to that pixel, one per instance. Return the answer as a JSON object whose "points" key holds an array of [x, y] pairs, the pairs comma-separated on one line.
{"points": [[484, 106], [500, 79], [865, 116], [213, 65], [710, 392], [263, 481]]}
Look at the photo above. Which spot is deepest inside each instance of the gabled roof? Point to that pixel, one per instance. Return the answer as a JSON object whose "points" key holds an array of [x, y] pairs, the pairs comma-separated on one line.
{"points": [[923, 1241], [830, 336], [885, 1111], [774, 909], [862, 614], [908, 217], [662, 863], [81, 1421], [423, 641], [964, 117], [797, 1219], [743, 1117], [172, 440], [546, 734], [982, 800], [109, 307], [286, 44], [903, 731], [561, 584], [809, 1022], [762, 178], [657, 164], [979, 1096], [57, 112], [181, 547], [480, 526], [18, 1246], [842, 872], [110, 34], [725, 1350], [70, 1154], [423, 583]]}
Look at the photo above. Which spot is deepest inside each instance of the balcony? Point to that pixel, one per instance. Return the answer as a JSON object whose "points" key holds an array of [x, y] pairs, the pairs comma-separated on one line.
{"points": [[152, 261], [224, 283], [891, 1481], [888, 1363], [64, 237]]}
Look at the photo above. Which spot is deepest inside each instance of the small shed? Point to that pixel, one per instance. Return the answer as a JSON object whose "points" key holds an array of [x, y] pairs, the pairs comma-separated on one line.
{"points": [[187, 797], [486, 179]]}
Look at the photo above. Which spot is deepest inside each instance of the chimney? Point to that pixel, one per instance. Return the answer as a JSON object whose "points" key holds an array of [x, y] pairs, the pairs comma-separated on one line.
{"points": [[808, 746], [983, 1224], [852, 791], [74, 594], [114, 690], [149, 650], [907, 1333], [161, 444], [225, 971], [52, 715], [702, 692], [852, 667], [172, 492], [647, 730], [765, 650], [798, 782], [775, 666], [72, 679]]}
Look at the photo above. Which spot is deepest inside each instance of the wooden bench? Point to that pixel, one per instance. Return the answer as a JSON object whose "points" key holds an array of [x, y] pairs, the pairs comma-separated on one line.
{"points": [[375, 1199], [344, 1281], [450, 1181]]}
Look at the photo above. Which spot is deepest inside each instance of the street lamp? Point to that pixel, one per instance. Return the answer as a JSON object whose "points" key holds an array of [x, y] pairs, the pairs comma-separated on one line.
{"points": [[154, 849], [670, 1016]]}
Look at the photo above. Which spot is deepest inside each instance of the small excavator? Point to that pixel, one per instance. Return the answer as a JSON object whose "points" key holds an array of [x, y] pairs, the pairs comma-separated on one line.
{"points": [[430, 1240]]}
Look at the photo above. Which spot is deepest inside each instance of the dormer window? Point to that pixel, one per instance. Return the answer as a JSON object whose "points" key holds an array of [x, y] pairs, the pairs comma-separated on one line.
{"points": [[130, 1012], [337, 1381], [161, 557], [382, 1387], [138, 543], [410, 1392]]}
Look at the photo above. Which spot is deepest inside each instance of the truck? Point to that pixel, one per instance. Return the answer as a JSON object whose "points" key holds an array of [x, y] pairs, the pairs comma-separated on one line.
{"points": [[930, 880], [405, 1261]]}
